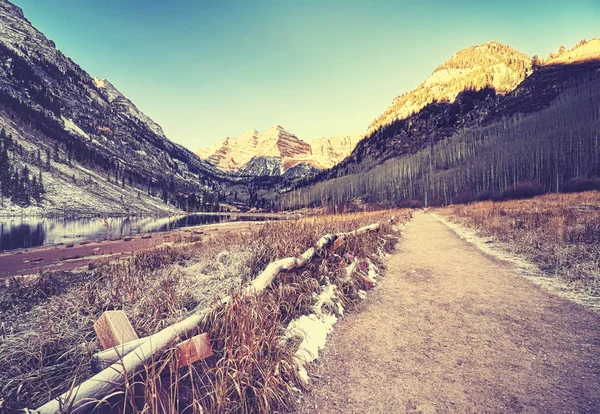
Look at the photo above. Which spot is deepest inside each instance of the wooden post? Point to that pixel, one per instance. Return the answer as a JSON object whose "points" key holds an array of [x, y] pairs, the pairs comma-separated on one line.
{"points": [[192, 350], [113, 328], [337, 243]]}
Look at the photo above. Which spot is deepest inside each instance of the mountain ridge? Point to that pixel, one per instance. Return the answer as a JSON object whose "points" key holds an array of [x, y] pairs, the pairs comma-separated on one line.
{"points": [[490, 64], [275, 152], [541, 135], [86, 123]]}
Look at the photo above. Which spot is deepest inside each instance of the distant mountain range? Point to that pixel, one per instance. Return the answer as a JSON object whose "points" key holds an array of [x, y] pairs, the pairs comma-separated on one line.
{"points": [[277, 152], [485, 121], [491, 65]]}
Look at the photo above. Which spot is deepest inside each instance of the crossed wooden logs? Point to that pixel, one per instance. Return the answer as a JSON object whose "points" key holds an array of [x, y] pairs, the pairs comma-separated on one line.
{"points": [[125, 354]]}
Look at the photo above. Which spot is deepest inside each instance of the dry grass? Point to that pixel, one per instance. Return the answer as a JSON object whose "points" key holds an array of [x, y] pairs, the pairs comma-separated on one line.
{"points": [[46, 347], [559, 232]]}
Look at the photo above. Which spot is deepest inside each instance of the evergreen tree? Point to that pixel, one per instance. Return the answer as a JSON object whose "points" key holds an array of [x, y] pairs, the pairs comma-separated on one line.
{"points": [[47, 159]]}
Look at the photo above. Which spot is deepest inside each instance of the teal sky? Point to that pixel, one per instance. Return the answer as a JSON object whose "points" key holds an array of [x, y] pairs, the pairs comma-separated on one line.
{"points": [[205, 70]]}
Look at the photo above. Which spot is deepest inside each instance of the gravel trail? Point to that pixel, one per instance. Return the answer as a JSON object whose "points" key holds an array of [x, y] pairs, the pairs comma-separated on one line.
{"points": [[450, 329]]}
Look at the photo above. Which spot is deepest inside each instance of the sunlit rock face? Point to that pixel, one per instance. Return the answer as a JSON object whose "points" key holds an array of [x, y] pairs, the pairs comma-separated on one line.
{"points": [[276, 151], [490, 65], [327, 152]]}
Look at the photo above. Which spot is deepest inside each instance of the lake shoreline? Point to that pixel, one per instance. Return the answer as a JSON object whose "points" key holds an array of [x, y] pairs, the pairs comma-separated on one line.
{"points": [[19, 233], [141, 214], [67, 257]]}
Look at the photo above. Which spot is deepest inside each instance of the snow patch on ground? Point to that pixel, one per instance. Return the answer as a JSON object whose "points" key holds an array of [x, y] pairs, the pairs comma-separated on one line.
{"points": [[328, 297], [373, 271], [313, 329], [72, 126], [351, 268], [527, 269]]}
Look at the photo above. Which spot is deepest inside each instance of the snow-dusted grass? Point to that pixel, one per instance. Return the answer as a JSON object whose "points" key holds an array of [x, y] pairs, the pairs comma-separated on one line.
{"points": [[560, 233], [49, 339], [505, 252], [72, 189]]}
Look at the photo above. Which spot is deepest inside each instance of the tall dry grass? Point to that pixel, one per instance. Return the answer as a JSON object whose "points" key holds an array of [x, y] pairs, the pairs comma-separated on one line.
{"points": [[559, 232], [46, 347]]}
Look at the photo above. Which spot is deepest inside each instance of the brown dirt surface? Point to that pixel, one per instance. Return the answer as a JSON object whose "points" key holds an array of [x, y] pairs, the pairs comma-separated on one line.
{"points": [[450, 329]]}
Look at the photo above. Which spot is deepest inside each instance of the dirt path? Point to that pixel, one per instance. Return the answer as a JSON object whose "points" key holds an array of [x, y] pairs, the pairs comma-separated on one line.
{"points": [[452, 330]]}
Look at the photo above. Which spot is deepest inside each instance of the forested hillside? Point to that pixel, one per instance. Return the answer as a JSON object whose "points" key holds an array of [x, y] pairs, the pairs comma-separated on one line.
{"points": [[544, 136], [16, 183], [100, 140]]}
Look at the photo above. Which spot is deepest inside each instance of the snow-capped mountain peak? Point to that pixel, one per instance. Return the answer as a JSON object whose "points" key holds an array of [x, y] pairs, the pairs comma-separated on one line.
{"points": [[276, 151]]}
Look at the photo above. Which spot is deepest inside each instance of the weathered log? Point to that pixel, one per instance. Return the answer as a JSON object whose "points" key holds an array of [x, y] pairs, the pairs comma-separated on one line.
{"points": [[273, 269], [106, 358], [106, 381]]}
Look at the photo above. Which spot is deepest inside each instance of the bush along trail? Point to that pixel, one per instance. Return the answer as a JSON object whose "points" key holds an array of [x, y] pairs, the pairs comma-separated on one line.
{"points": [[262, 334], [453, 330]]}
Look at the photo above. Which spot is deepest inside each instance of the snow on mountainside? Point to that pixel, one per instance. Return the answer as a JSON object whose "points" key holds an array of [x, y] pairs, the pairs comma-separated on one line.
{"points": [[52, 105], [74, 189], [276, 151], [327, 152], [488, 65], [232, 153]]}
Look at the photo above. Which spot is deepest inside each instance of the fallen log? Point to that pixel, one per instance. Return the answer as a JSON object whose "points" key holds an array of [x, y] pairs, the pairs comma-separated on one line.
{"points": [[104, 382], [106, 358], [273, 269]]}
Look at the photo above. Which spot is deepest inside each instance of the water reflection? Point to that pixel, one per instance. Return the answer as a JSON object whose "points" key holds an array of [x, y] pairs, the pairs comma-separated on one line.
{"points": [[18, 233]]}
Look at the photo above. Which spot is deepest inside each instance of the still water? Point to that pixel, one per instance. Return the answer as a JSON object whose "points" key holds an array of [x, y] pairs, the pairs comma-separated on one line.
{"points": [[19, 233]]}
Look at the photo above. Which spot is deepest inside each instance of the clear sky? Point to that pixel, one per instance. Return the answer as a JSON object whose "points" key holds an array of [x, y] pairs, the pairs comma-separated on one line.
{"points": [[208, 69]]}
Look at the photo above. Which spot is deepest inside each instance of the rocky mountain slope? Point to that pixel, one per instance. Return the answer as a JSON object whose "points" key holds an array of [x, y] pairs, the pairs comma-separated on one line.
{"points": [[487, 141], [329, 151], [463, 91], [53, 106], [491, 65], [277, 152]]}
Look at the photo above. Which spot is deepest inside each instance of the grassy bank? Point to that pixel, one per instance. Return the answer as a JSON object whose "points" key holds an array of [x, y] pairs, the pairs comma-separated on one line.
{"points": [[47, 338], [559, 232]]}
